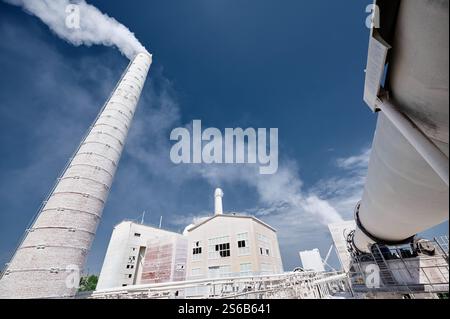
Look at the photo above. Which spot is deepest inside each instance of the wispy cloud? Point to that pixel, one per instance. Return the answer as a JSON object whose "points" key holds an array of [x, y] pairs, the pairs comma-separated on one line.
{"points": [[356, 161], [344, 190]]}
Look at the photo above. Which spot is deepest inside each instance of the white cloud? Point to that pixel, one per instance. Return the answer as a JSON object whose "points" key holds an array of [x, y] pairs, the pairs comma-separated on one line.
{"points": [[355, 162], [344, 190]]}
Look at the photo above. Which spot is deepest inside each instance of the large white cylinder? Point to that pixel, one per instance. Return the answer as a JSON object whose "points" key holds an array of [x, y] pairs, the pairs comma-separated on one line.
{"points": [[403, 194], [62, 234]]}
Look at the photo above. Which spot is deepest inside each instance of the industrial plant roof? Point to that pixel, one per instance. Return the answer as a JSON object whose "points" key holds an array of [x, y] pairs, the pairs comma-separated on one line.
{"points": [[231, 216]]}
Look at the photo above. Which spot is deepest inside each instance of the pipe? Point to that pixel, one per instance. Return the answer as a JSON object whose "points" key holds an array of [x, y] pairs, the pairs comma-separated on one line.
{"points": [[402, 195], [429, 151], [406, 189]]}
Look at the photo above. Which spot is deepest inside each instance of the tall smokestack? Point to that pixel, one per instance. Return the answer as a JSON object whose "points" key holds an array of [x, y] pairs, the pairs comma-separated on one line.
{"points": [[218, 208], [62, 234]]}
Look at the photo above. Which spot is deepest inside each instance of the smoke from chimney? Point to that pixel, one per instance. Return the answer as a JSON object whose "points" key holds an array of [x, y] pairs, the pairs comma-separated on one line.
{"points": [[95, 27]]}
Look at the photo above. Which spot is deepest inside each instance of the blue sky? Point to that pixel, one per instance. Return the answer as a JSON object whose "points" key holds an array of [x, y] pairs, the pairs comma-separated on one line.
{"points": [[296, 65]]}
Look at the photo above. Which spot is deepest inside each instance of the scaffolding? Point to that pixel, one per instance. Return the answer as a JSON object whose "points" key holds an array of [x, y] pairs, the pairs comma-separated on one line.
{"points": [[416, 270]]}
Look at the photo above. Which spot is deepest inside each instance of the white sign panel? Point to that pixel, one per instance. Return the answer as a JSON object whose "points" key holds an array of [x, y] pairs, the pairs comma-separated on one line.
{"points": [[376, 63], [311, 260]]}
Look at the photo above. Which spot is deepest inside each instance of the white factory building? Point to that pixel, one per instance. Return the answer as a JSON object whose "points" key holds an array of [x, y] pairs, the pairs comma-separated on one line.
{"points": [[221, 245], [231, 245], [141, 254]]}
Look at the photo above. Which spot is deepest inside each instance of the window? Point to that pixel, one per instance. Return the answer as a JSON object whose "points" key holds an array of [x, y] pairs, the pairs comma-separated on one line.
{"points": [[246, 269], [243, 244], [264, 245], [219, 247], [196, 251], [223, 249]]}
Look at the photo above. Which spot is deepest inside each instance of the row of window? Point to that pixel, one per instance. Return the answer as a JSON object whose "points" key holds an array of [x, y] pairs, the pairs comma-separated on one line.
{"points": [[220, 247], [131, 262]]}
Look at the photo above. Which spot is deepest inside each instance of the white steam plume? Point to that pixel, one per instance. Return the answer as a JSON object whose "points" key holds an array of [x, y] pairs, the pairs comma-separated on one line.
{"points": [[95, 27]]}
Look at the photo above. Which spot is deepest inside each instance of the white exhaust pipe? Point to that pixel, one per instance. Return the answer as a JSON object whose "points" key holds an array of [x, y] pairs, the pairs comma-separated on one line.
{"points": [[218, 208]]}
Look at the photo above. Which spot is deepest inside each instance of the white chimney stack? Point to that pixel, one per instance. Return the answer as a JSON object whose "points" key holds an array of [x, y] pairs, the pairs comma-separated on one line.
{"points": [[52, 255], [218, 208]]}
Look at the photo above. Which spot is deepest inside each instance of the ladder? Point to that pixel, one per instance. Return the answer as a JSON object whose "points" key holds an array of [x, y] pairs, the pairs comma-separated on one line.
{"points": [[386, 275]]}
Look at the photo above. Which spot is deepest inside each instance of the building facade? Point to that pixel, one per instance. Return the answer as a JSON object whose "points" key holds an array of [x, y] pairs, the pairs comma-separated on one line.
{"points": [[165, 260], [139, 254], [232, 245], [222, 245]]}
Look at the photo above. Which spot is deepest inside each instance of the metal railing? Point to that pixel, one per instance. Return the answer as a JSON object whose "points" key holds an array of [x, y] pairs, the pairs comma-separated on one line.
{"points": [[293, 285], [418, 268]]}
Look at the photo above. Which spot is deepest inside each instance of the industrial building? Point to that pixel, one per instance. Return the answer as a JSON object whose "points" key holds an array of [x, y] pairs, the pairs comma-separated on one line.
{"points": [[231, 244], [140, 254], [405, 193], [222, 245]]}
